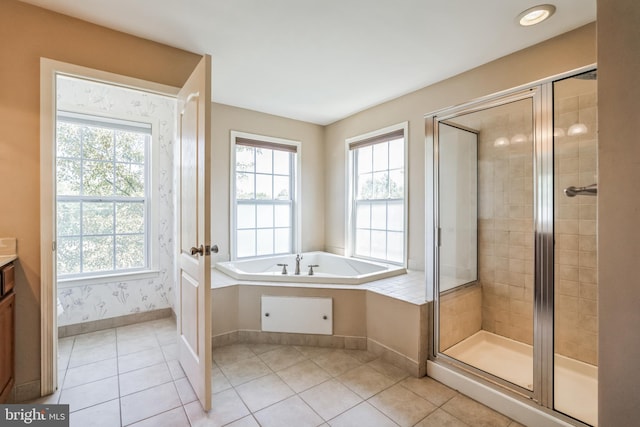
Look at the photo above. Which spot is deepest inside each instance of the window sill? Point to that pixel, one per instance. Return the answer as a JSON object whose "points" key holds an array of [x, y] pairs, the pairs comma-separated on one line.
{"points": [[111, 278]]}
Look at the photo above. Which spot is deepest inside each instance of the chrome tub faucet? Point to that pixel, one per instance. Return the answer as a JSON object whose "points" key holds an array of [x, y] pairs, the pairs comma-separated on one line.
{"points": [[298, 259]]}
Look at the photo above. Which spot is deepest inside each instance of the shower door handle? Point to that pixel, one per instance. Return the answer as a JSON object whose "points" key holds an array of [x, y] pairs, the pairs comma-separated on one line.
{"points": [[589, 190]]}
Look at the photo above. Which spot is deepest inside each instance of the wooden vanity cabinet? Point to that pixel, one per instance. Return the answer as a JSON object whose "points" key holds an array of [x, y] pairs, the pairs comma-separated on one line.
{"points": [[7, 334]]}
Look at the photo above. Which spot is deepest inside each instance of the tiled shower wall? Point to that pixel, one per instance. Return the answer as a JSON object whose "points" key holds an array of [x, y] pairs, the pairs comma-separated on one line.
{"points": [[505, 221], [576, 333], [88, 302], [506, 233]]}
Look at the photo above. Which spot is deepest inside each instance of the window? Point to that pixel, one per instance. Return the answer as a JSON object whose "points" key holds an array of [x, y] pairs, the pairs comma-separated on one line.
{"points": [[102, 189], [264, 195], [378, 195]]}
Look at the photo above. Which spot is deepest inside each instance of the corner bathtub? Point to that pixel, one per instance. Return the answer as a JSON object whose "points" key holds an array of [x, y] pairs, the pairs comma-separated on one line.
{"points": [[332, 269]]}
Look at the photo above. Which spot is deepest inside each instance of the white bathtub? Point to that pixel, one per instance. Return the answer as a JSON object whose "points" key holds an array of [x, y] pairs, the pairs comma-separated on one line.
{"points": [[332, 269]]}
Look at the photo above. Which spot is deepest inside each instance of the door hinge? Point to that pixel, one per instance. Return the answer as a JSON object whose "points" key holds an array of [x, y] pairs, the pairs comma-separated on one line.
{"points": [[54, 246], [439, 236]]}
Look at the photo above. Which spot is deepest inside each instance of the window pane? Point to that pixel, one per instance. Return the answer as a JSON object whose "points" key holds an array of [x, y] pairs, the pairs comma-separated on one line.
{"points": [[363, 242], [130, 251], [106, 169], [264, 187], [379, 178], [281, 187], [68, 140], [68, 218], [363, 215], [381, 157], [282, 215], [270, 220], [68, 250], [97, 218], [395, 216], [97, 143], [244, 186], [246, 216], [97, 178], [265, 242], [365, 187], [97, 254], [282, 240], [246, 243], [265, 216], [281, 162], [264, 160], [395, 247], [396, 153], [244, 159], [130, 217], [379, 216], [378, 244], [396, 184], [381, 185], [364, 159], [129, 180], [130, 147], [68, 177]]}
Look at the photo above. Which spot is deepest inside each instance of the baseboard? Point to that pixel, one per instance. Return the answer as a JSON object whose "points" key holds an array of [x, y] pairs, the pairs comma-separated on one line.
{"points": [[113, 322], [284, 338], [25, 392]]}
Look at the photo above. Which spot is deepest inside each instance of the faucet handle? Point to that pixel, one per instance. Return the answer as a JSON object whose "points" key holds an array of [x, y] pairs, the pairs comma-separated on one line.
{"points": [[284, 268], [311, 268]]}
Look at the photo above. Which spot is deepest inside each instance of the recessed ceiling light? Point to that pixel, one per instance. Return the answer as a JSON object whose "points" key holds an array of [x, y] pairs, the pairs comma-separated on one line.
{"points": [[536, 14]]}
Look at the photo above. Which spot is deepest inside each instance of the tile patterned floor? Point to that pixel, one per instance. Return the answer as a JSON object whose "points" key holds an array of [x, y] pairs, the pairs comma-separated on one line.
{"points": [[130, 376]]}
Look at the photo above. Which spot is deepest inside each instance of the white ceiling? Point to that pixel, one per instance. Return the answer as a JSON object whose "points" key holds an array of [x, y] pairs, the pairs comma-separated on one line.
{"points": [[321, 61]]}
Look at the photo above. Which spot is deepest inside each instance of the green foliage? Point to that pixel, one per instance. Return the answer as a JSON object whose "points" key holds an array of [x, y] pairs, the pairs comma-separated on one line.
{"points": [[96, 164]]}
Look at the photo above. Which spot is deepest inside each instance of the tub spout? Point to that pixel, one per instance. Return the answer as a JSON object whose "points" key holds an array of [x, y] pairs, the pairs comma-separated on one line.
{"points": [[298, 259]]}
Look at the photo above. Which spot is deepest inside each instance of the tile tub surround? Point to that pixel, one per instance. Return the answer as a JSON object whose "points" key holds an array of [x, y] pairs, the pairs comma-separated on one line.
{"points": [[389, 317], [130, 376]]}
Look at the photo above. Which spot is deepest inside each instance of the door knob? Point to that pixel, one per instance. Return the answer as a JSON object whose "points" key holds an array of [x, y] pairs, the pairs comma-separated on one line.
{"points": [[204, 250]]}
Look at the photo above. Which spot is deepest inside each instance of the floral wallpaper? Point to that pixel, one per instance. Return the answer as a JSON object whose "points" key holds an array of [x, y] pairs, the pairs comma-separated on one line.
{"points": [[87, 302]]}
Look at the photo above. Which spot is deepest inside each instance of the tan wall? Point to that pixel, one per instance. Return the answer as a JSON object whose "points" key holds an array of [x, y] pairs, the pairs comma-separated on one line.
{"points": [[566, 52], [29, 33], [242, 310], [397, 325], [618, 211], [395, 330], [224, 120]]}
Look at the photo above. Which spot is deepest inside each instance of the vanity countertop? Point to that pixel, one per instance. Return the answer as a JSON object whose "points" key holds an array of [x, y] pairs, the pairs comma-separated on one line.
{"points": [[8, 252], [6, 259]]}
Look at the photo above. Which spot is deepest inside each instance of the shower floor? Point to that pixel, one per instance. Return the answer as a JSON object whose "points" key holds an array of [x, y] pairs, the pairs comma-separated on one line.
{"points": [[576, 383]]}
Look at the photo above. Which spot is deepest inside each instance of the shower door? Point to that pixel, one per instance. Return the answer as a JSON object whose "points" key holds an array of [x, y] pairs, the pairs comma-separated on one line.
{"points": [[486, 239], [514, 256]]}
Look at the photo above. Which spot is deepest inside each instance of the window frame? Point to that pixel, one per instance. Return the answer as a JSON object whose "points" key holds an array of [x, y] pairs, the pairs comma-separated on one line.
{"points": [[151, 269], [295, 193], [351, 145]]}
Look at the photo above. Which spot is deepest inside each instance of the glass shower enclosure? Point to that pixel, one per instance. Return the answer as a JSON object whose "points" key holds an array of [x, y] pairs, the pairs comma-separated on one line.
{"points": [[515, 243]]}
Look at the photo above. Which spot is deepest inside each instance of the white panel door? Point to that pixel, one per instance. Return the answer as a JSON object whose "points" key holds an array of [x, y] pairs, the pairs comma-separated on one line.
{"points": [[194, 263]]}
